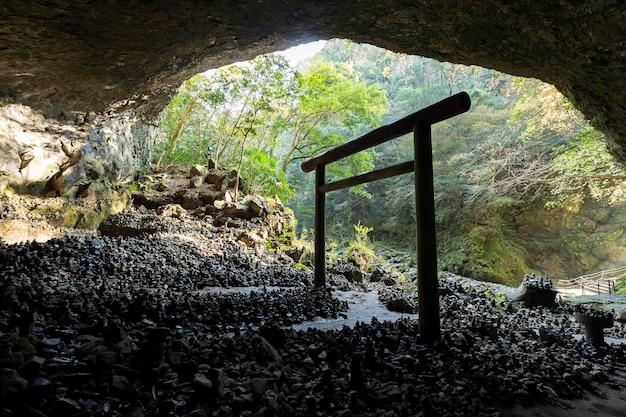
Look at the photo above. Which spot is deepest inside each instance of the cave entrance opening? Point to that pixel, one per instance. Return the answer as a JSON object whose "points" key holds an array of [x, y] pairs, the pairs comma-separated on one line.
{"points": [[420, 124]]}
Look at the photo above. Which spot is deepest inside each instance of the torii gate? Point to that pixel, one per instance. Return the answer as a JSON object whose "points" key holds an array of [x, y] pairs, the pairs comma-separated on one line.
{"points": [[420, 123]]}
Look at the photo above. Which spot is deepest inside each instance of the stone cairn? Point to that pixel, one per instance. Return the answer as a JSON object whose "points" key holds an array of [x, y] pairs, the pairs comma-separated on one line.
{"points": [[535, 291], [594, 321]]}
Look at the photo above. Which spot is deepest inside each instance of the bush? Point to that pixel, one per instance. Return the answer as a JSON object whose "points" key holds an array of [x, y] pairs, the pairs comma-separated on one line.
{"points": [[359, 251]]}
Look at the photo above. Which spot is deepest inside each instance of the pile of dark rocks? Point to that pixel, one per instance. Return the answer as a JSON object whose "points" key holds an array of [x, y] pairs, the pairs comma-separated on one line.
{"points": [[166, 314], [55, 364]]}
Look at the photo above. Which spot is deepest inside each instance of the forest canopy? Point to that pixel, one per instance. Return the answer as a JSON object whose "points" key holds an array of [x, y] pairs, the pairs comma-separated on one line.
{"points": [[521, 147]]}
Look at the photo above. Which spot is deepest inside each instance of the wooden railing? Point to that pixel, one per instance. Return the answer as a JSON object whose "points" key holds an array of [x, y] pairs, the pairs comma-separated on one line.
{"points": [[420, 124], [602, 282]]}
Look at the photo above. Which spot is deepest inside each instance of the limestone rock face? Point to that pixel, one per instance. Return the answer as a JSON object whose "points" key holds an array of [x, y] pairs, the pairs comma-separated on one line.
{"points": [[74, 57], [39, 155]]}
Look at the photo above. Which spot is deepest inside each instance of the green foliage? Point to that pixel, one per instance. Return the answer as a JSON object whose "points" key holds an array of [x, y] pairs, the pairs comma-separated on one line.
{"points": [[232, 111], [302, 267], [265, 175], [521, 146], [286, 239], [490, 164], [132, 187], [359, 251], [620, 285], [584, 168], [494, 256], [181, 124], [333, 107], [260, 117]]}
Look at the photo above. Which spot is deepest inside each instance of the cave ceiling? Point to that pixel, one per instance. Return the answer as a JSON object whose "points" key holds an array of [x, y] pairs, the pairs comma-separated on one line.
{"points": [[63, 57]]}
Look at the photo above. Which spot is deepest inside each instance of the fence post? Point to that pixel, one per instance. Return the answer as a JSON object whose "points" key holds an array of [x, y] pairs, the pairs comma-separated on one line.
{"points": [[427, 282]]}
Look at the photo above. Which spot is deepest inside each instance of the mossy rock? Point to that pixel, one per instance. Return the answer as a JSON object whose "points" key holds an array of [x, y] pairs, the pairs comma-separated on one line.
{"points": [[494, 258], [86, 218], [88, 212], [614, 235], [608, 250]]}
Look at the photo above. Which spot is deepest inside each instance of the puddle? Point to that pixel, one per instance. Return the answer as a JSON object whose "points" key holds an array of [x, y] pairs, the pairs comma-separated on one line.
{"points": [[362, 306]]}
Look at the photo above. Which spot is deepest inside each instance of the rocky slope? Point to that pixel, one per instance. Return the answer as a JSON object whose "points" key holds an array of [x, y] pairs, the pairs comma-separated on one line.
{"points": [[168, 311]]}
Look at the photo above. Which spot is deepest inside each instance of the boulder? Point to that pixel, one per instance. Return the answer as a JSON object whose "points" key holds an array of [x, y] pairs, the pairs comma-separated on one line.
{"points": [[196, 182], [351, 272], [300, 254], [45, 156], [226, 181], [11, 383], [172, 210], [239, 210], [250, 239], [198, 171], [401, 305], [258, 206], [389, 278]]}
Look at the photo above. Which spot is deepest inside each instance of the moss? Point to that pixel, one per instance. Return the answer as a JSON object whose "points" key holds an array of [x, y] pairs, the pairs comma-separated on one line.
{"points": [[287, 234], [54, 207], [72, 217], [77, 214], [496, 258], [92, 219], [284, 229], [8, 191], [360, 251], [132, 188], [85, 217], [504, 244], [614, 235], [302, 267]]}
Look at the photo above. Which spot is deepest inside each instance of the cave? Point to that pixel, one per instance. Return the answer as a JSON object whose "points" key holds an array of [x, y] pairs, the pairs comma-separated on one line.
{"points": [[84, 62], [93, 325]]}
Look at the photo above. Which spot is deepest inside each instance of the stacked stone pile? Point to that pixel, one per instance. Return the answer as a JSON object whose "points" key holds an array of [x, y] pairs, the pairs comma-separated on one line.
{"points": [[154, 317]]}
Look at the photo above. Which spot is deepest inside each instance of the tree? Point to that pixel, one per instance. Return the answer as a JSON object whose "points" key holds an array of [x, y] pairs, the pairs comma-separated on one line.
{"points": [[259, 95], [265, 111], [583, 168], [239, 108], [198, 81], [180, 114], [333, 107]]}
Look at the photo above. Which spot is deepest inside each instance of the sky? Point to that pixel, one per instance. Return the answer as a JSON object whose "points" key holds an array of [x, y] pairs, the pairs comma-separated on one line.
{"points": [[294, 54], [303, 51]]}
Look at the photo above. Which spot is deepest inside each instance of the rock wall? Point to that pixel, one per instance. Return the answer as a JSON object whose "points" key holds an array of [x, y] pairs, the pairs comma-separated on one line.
{"points": [[560, 243], [44, 156], [573, 241]]}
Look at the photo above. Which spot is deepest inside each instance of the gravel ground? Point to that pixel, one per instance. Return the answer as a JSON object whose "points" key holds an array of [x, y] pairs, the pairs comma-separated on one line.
{"points": [[184, 319]]}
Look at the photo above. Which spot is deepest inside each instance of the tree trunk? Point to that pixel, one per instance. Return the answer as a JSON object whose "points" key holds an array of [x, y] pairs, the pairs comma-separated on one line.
{"points": [[181, 124]]}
